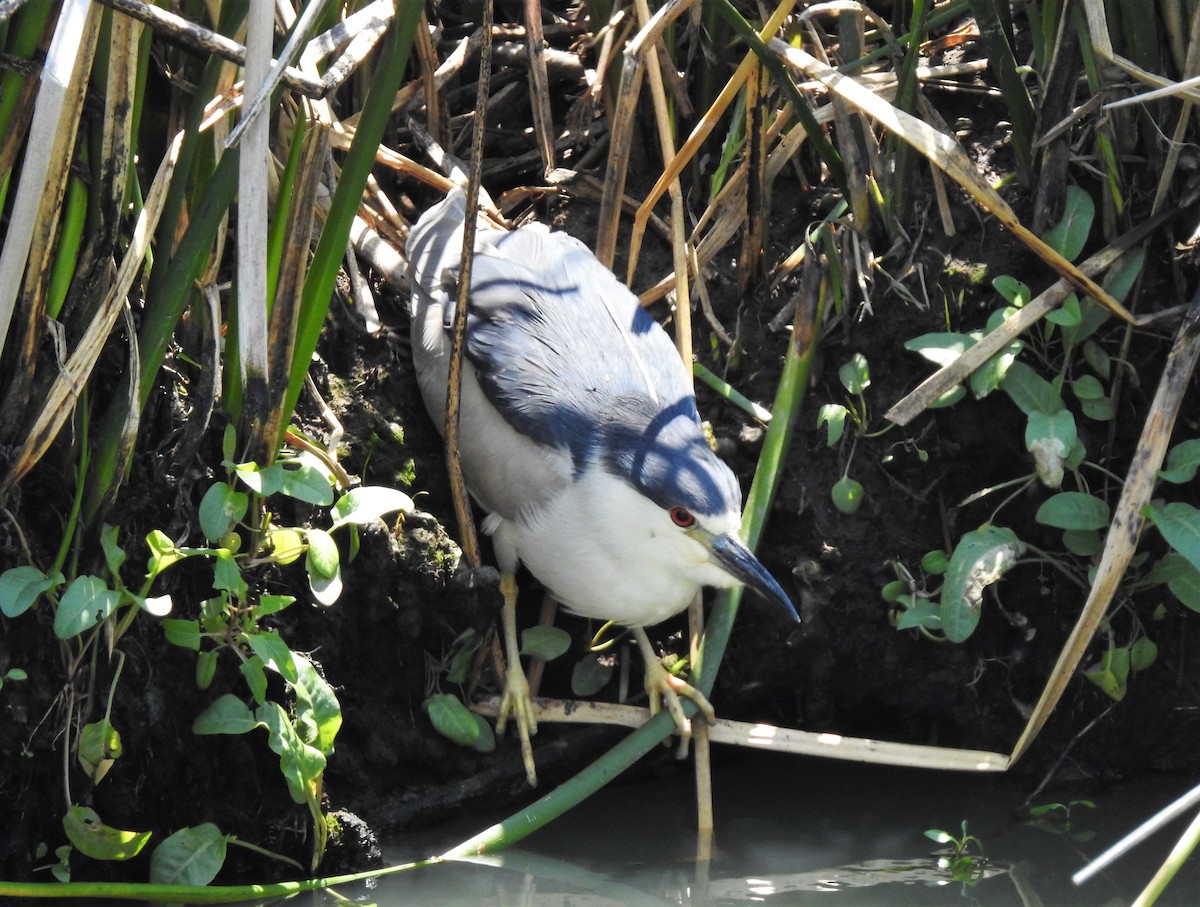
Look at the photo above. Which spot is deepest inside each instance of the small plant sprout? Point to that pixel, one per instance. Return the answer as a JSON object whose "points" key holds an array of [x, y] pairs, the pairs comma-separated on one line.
{"points": [[963, 861], [1057, 819], [855, 375]]}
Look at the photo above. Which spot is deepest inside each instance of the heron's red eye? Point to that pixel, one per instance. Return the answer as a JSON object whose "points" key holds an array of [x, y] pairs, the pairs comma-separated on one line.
{"points": [[682, 518]]}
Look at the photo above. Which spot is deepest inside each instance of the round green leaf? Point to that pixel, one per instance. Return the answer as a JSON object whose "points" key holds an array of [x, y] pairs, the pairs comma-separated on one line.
{"points": [[855, 375], [221, 509], [21, 586], [368, 503], [1142, 653], [935, 562], [1073, 510], [980, 558], [1182, 462], [191, 856], [545, 643], [486, 741], [833, 414], [322, 558], [1179, 524], [226, 715], [86, 602], [1082, 542], [93, 838], [847, 494], [590, 675], [452, 719], [305, 482]]}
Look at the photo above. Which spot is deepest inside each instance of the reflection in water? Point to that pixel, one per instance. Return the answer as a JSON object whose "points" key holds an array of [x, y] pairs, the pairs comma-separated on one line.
{"points": [[800, 831]]}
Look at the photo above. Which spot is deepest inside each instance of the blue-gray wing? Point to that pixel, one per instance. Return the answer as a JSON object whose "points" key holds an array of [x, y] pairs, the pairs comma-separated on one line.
{"points": [[560, 345]]}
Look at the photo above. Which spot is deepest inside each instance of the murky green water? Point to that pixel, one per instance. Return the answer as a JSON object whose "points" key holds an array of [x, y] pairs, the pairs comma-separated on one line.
{"points": [[794, 830]]}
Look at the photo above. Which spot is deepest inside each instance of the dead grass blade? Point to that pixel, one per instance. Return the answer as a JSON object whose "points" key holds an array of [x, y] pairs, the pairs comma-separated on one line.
{"points": [[945, 153], [70, 380]]}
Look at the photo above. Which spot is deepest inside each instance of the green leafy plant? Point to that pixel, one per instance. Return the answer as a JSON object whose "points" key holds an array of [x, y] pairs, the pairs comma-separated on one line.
{"points": [[1079, 391], [1057, 818], [232, 619], [963, 861], [855, 375]]}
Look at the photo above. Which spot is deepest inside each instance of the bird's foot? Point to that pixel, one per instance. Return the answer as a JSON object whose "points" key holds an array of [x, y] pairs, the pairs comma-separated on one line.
{"points": [[664, 687], [518, 703]]}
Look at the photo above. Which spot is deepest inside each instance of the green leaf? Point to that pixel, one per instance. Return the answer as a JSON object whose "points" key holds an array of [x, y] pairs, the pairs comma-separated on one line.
{"points": [[1180, 525], [163, 553], [317, 705], [1030, 391], [1014, 291], [465, 645], [949, 398], [1067, 315], [1182, 463], [1111, 673], [854, 374], [367, 504], [486, 741], [114, 555], [1051, 438], [935, 562], [255, 674], [229, 442], [1184, 581], [919, 612], [191, 856], [833, 414], [940, 349], [99, 747], [227, 575], [226, 715], [1083, 542], [270, 647], [287, 545], [206, 669], [272, 604], [847, 494], [892, 591], [1097, 357], [20, 587], [221, 509], [93, 838], [590, 675], [1142, 653], [1088, 387], [306, 483], [322, 558], [1073, 510], [300, 763], [1069, 235], [546, 643], [990, 375], [85, 603], [452, 719], [980, 558], [263, 482], [1101, 410], [184, 633]]}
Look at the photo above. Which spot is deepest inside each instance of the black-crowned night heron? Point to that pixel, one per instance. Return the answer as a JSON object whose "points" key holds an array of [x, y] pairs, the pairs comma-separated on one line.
{"points": [[579, 436]]}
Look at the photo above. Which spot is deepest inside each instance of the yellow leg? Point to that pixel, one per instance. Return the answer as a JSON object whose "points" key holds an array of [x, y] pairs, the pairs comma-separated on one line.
{"points": [[660, 686], [516, 700]]}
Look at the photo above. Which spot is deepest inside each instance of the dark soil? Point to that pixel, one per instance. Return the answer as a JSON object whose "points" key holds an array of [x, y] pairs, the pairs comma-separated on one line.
{"points": [[846, 669]]}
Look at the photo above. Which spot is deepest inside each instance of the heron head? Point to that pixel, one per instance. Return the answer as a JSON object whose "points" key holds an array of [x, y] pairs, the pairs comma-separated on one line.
{"points": [[692, 498]]}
